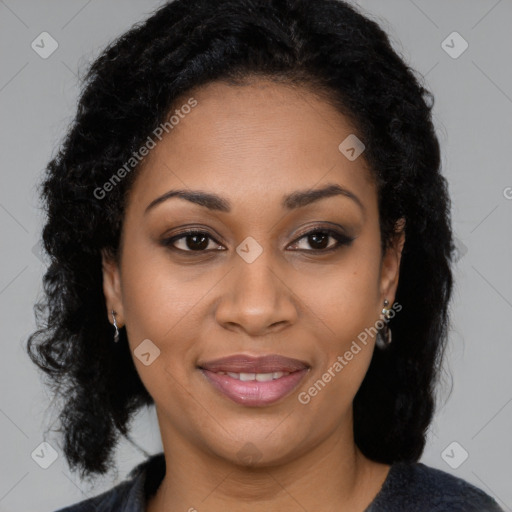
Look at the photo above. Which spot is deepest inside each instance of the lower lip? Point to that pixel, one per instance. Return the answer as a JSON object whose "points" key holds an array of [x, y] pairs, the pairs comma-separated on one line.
{"points": [[254, 393]]}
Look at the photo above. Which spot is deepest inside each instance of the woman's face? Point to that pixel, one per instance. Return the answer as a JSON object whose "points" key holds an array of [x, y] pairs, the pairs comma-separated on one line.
{"points": [[253, 283]]}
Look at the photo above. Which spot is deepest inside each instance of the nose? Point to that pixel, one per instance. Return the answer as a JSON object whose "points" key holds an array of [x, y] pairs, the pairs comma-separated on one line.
{"points": [[256, 298]]}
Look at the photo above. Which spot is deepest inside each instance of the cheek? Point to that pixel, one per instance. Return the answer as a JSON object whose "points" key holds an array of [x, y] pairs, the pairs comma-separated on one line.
{"points": [[159, 308], [346, 315], [158, 296], [343, 308], [165, 303], [331, 393], [342, 297]]}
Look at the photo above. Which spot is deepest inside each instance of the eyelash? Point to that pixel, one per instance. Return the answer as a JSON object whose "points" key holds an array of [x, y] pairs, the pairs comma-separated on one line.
{"points": [[341, 239]]}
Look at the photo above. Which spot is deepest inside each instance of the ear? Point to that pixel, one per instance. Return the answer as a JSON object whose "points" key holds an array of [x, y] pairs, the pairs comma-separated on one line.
{"points": [[112, 287], [390, 265]]}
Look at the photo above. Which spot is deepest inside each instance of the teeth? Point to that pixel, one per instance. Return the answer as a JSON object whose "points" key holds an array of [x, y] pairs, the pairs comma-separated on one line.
{"points": [[264, 377], [260, 377]]}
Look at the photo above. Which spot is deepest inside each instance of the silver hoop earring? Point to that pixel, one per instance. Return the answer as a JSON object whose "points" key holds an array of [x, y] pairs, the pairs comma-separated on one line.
{"points": [[116, 334], [384, 335]]}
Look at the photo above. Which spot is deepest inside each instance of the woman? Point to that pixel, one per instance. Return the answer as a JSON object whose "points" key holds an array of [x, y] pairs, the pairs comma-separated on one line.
{"points": [[249, 229]]}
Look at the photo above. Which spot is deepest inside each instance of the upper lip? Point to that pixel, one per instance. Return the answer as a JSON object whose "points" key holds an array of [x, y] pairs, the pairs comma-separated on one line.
{"points": [[240, 363]]}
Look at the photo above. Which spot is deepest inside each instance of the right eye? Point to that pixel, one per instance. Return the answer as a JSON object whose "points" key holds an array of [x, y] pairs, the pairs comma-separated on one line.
{"points": [[191, 241]]}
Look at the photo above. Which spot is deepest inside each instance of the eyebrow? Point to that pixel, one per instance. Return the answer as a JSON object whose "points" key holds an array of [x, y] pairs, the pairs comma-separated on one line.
{"points": [[297, 199]]}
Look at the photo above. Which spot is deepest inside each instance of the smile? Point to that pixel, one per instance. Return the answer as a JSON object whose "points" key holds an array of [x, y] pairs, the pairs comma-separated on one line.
{"points": [[255, 389], [260, 377]]}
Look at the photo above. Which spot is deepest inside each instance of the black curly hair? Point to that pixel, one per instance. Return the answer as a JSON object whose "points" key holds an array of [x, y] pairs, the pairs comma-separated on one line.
{"points": [[341, 55]]}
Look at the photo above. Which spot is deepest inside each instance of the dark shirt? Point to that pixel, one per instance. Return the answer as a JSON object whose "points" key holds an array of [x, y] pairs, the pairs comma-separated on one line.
{"points": [[409, 487]]}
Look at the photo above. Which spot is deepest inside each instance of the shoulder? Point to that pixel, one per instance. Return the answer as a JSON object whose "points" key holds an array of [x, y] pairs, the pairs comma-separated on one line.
{"points": [[415, 486], [108, 501], [127, 496]]}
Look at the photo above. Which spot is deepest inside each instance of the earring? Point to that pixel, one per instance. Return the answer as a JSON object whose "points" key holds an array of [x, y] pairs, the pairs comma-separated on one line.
{"points": [[116, 334], [384, 335]]}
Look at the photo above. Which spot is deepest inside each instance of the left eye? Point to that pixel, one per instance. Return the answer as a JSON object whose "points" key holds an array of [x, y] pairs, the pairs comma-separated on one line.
{"points": [[319, 240]]}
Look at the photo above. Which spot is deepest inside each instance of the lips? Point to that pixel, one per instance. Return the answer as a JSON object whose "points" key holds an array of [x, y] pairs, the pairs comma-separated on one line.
{"points": [[254, 381], [247, 364]]}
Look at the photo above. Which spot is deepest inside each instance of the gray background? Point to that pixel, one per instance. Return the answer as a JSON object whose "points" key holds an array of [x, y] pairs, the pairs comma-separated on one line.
{"points": [[473, 116]]}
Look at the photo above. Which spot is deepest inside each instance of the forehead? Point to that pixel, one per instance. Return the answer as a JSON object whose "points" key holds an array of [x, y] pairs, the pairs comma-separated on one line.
{"points": [[258, 140]]}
